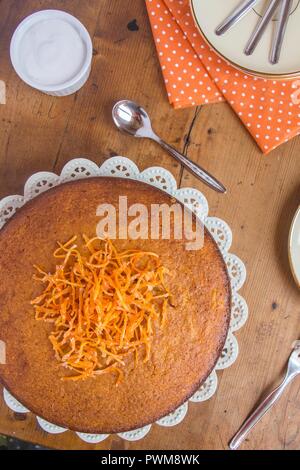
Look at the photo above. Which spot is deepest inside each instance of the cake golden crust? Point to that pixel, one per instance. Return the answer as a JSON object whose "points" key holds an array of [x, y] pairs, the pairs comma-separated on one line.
{"points": [[182, 355]]}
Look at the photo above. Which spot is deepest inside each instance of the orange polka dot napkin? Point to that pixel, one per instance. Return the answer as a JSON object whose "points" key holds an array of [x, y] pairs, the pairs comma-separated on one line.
{"points": [[195, 75]]}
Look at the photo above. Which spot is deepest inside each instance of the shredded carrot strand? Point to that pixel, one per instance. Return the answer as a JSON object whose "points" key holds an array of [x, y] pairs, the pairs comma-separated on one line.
{"points": [[104, 305]]}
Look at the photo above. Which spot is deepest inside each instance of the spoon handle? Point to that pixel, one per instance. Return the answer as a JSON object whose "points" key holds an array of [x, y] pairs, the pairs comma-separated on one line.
{"points": [[261, 26], [285, 10], [260, 411], [235, 16], [192, 167]]}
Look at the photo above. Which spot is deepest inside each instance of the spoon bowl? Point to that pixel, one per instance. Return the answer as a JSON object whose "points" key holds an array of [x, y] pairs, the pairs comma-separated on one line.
{"points": [[131, 118]]}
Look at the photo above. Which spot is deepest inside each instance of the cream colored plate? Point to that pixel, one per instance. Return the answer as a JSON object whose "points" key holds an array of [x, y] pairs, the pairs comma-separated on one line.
{"points": [[294, 247], [209, 14]]}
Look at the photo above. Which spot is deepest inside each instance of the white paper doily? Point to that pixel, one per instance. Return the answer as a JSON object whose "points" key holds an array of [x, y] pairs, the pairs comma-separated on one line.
{"points": [[156, 176]]}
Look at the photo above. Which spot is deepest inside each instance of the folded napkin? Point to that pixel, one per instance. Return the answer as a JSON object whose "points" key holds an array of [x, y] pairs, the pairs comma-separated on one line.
{"points": [[195, 75]]}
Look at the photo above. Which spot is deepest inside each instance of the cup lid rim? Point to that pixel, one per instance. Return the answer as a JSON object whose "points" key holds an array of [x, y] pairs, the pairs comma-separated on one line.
{"points": [[35, 18]]}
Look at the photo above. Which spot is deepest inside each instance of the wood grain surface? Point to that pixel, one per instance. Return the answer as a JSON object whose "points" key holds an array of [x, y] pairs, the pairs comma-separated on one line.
{"points": [[38, 132]]}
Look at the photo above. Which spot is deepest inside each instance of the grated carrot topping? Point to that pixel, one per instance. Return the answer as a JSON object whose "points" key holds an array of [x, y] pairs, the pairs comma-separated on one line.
{"points": [[103, 304]]}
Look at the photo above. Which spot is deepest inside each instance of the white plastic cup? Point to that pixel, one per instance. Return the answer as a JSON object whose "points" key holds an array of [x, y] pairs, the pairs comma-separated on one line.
{"points": [[74, 83]]}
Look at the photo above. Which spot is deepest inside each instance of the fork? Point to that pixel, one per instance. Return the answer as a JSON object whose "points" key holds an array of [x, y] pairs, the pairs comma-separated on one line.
{"points": [[293, 369]]}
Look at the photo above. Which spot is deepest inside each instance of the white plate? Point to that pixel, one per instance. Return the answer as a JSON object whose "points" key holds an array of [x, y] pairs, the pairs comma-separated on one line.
{"points": [[294, 247], [208, 14]]}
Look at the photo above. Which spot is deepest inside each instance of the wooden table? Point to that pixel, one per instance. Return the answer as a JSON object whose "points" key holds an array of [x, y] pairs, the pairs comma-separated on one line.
{"points": [[39, 132]]}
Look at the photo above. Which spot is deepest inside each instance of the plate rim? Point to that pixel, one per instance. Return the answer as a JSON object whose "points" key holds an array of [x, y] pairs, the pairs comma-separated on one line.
{"points": [[266, 76], [292, 227]]}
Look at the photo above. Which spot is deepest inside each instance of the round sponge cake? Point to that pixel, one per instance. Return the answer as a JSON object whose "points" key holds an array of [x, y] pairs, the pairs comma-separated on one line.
{"points": [[183, 354]]}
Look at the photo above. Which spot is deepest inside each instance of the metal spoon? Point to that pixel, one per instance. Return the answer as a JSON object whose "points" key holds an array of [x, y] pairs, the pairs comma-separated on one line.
{"points": [[293, 369], [129, 117]]}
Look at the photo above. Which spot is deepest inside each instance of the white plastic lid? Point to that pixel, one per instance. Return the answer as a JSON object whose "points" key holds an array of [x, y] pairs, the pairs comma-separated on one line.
{"points": [[52, 51]]}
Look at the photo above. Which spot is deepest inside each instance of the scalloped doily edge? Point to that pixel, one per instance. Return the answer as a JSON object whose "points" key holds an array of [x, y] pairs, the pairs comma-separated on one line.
{"points": [[79, 168]]}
